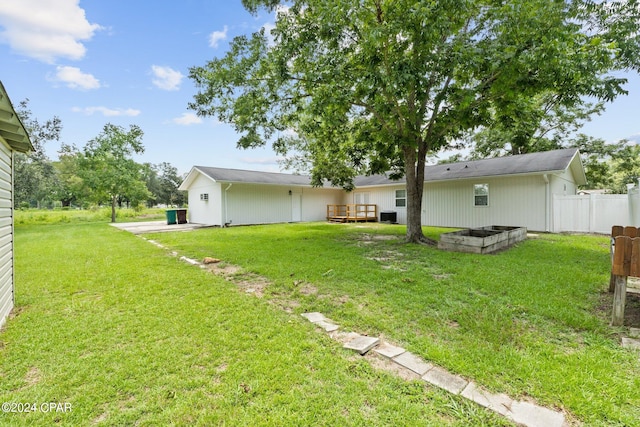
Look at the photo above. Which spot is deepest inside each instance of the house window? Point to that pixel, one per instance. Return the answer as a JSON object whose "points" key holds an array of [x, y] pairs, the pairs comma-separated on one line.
{"points": [[481, 195], [361, 198], [401, 198], [204, 197]]}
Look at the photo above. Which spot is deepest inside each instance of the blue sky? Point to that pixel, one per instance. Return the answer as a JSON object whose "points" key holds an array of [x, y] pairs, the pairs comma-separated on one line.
{"points": [[126, 62]]}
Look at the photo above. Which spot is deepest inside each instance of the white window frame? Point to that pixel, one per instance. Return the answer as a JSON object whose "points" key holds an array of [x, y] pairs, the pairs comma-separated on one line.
{"points": [[480, 191], [400, 199]]}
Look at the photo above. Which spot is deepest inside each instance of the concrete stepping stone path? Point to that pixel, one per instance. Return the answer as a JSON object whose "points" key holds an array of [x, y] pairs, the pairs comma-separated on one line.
{"points": [[523, 413]]}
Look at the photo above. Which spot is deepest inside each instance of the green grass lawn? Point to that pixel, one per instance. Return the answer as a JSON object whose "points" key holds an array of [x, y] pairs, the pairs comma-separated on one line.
{"points": [[532, 322], [128, 335], [57, 216]]}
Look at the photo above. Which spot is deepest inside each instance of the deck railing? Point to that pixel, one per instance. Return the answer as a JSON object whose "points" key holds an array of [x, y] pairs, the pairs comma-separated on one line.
{"points": [[352, 212]]}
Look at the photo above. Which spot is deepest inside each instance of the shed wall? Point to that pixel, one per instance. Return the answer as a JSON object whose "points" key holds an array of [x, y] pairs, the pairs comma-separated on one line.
{"points": [[209, 211], [266, 204], [6, 232], [258, 204]]}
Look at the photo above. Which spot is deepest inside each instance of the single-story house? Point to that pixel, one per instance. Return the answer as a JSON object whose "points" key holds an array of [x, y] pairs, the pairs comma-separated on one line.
{"points": [[13, 138], [512, 191]]}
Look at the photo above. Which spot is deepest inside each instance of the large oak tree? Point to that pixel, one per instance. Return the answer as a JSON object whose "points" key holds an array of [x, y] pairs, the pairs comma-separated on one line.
{"points": [[348, 87]]}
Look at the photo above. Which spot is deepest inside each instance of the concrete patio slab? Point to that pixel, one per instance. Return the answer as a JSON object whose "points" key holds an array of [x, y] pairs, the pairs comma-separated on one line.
{"points": [[445, 380], [154, 227]]}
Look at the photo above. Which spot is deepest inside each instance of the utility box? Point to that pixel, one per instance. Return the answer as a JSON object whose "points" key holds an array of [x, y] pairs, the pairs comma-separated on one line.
{"points": [[389, 216]]}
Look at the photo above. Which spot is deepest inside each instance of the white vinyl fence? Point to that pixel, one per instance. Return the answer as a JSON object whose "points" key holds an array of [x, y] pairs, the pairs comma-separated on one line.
{"points": [[592, 213]]}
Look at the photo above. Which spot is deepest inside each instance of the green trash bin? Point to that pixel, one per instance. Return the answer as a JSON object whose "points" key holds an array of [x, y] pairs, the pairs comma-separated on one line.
{"points": [[171, 216]]}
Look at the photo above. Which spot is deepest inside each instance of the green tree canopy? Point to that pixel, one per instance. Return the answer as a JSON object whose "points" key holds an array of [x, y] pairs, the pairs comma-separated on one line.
{"points": [[347, 87], [107, 168], [36, 179]]}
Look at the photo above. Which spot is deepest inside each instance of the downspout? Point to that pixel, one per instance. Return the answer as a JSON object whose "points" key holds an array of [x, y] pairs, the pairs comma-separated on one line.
{"points": [[226, 210], [547, 196]]}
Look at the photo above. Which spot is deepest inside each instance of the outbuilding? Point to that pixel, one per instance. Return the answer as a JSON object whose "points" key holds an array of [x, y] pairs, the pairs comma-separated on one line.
{"points": [[220, 197], [13, 138], [510, 191]]}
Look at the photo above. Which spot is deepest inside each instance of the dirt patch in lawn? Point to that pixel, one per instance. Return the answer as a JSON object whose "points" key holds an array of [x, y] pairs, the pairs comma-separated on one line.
{"points": [[631, 310]]}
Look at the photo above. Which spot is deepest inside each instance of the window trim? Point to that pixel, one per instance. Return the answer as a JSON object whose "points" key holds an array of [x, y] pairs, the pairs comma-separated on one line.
{"points": [[398, 198], [476, 187]]}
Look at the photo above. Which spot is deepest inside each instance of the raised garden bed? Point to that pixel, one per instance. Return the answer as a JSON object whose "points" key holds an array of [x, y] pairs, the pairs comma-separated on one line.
{"points": [[483, 240]]}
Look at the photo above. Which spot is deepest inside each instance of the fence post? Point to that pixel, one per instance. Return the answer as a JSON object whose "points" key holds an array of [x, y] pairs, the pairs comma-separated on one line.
{"points": [[621, 269], [616, 230]]}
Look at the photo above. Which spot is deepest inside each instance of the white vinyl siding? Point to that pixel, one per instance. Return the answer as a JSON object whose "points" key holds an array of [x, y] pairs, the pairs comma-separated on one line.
{"points": [[205, 211], [515, 201], [266, 204], [6, 232]]}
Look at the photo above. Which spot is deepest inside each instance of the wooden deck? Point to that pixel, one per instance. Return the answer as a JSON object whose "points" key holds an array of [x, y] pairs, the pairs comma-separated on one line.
{"points": [[352, 213]]}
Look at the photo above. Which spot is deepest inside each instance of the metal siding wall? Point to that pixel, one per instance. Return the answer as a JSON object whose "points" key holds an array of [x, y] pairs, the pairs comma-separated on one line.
{"points": [[6, 233], [563, 184], [315, 201], [201, 212], [513, 201], [258, 204], [384, 198]]}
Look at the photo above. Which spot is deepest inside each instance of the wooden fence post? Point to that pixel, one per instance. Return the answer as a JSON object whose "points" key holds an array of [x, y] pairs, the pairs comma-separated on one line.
{"points": [[621, 269], [616, 230]]}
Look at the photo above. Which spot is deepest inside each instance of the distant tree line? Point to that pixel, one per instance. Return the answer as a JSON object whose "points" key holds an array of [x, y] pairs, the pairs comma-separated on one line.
{"points": [[102, 172]]}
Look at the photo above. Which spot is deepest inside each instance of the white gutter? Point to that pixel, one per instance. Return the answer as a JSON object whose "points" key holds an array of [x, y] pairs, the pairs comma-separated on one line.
{"points": [[226, 211], [547, 197]]}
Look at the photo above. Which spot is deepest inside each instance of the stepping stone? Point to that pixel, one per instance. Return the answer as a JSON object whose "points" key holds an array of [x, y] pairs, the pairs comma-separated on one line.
{"points": [[500, 403], [387, 350], [412, 362], [189, 260], [446, 380], [630, 343], [535, 416], [329, 327], [314, 317], [362, 344], [634, 332]]}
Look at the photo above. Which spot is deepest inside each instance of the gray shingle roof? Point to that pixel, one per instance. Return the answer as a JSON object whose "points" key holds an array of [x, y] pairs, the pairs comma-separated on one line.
{"points": [[542, 162], [254, 177]]}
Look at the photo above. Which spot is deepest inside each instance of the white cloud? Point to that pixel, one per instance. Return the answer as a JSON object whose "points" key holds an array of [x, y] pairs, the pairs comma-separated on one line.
{"points": [[107, 112], [188, 119], [217, 36], [75, 79], [45, 29], [166, 78]]}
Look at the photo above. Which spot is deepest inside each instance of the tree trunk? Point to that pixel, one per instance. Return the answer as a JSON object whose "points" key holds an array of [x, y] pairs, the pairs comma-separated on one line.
{"points": [[414, 174], [414, 163], [113, 208]]}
